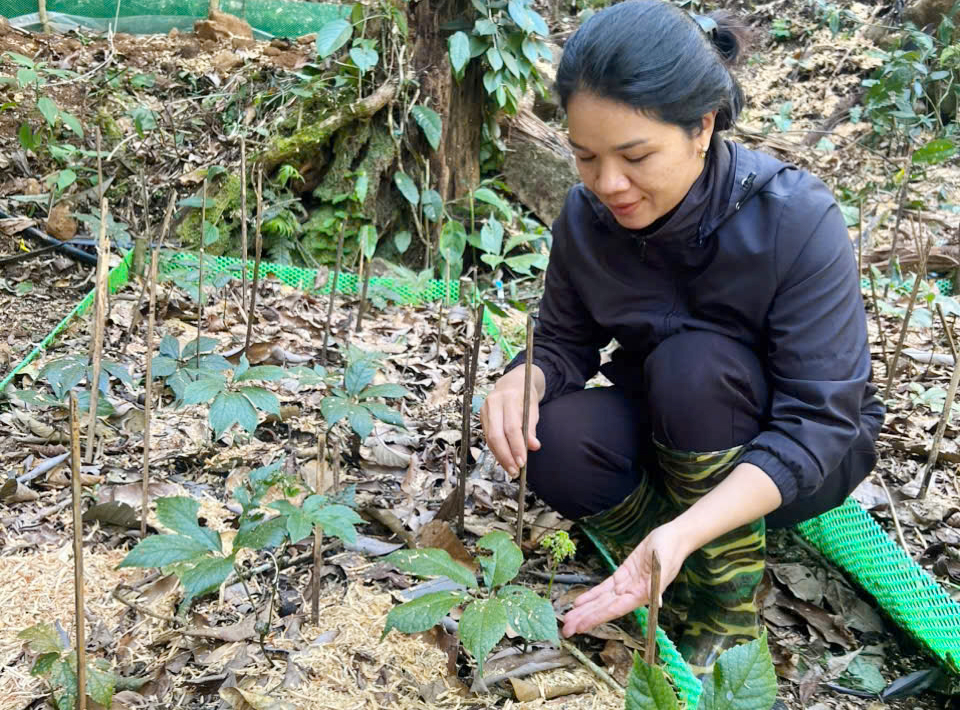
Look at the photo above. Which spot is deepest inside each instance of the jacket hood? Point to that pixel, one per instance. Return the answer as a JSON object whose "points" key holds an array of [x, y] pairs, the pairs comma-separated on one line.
{"points": [[734, 175]]}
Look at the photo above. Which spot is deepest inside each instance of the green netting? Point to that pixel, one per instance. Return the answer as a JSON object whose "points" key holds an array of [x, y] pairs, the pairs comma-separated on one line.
{"points": [[119, 275], [851, 539], [686, 683], [273, 18]]}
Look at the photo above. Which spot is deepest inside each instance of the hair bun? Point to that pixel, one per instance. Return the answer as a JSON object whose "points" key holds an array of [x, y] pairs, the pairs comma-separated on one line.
{"points": [[729, 36]]}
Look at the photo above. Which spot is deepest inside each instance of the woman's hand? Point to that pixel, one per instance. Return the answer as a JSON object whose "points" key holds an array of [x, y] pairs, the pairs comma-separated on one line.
{"points": [[629, 587], [502, 418]]}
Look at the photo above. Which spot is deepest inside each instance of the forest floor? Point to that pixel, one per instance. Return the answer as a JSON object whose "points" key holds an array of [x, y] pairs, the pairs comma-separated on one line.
{"points": [[822, 628]]}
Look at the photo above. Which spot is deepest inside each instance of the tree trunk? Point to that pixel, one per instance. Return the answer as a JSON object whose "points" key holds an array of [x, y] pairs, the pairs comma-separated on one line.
{"points": [[455, 165]]}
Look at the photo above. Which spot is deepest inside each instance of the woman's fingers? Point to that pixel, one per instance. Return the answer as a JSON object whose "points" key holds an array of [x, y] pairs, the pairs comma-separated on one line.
{"points": [[588, 596], [493, 428]]}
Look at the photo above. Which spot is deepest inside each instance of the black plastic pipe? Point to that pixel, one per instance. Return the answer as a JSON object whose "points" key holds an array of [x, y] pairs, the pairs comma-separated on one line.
{"points": [[68, 249]]}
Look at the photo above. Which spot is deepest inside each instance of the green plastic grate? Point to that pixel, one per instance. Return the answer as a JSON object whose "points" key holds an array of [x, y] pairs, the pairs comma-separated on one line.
{"points": [[851, 539], [686, 683], [273, 18]]}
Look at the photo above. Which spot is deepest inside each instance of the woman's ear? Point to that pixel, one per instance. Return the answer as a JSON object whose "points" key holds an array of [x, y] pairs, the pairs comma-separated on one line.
{"points": [[707, 123]]}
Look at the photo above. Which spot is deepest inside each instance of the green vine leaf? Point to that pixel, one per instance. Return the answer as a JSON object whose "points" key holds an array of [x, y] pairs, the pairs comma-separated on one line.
{"points": [[432, 563], [407, 187], [332, 36], [459, 45], [421, 614], [431, 124], [648, 689], [503, 565], [206, 576], [483, 624]]}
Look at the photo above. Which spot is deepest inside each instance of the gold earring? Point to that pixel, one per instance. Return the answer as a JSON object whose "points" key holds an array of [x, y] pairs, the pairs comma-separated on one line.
{"points": [[703, 153]]}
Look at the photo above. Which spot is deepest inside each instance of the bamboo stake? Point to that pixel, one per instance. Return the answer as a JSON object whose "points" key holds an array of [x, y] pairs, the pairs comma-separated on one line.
{"points": [[258, 242], [592, 667], [203, 241], [945, 415], [99, 167], [243, 220], [653, 616], [336, 464], [42, 14], [78, 555], [906, 319], [317, 542], [99, 324], [527, 377], [363, 294], [896, 227], [469, 383], [333, 293], [140, 243], [876, 312], [148, 369]]}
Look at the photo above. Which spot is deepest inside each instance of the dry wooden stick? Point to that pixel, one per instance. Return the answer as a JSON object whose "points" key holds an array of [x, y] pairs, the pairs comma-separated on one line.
{"points": [[653, 616], [363, 292], [593, 667], [258, 242], [99, 324], [893, 514], [896, 227], [42, 14], [469, 383], [203, 241], [141, 242], [876, 312], [78, 555], [148, 368], [243, 220], [333, 293], [945, 415], [527, 378], [948, 333], [906, 319], [317, 542], [99, 167], [336, 464]]}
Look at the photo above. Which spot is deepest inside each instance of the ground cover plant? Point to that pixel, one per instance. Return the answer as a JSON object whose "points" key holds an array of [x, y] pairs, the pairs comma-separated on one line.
{"points": [[279, 484]]}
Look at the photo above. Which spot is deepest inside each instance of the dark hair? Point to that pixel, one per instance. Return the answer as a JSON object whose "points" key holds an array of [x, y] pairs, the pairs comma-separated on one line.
{"points": [[655, 57]]}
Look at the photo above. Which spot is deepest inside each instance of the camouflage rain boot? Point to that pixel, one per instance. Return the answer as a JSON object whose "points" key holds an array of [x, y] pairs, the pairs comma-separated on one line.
{"points": [[625, 525], [722, 576]]}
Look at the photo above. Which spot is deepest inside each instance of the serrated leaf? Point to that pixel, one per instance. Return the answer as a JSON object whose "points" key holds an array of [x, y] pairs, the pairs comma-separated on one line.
{"points": [[210, 234], [422, 613], [170, 347], [358, 375], [743, 679], [332, 36], [104, 407], [230, 407], [262, 399], [407, 187], [48, 108], [334, 409], [648, 689], [63, 678], [388, 390], [100, 685], [206, 576], [162, 550], [459, 45], [936, 151], [360, 420], [529, 614], [266, 373], [503, 565], [44, 664], [432, 563], [260, 535], [385, 413], [214, 363], [42, 639], [201, 344], [179, 513], [202, 391], [483, 624], [338, 521], [298, 525]]}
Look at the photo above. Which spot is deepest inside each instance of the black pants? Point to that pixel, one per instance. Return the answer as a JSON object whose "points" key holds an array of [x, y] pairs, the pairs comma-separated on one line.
{"points": [[701, 392]]}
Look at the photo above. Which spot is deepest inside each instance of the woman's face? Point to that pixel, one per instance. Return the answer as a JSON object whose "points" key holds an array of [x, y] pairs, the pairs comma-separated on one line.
{"points": [[639, 167]]}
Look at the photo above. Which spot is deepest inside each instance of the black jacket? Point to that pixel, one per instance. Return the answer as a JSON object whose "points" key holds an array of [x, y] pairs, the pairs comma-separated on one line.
{"points": [[766, 260]]}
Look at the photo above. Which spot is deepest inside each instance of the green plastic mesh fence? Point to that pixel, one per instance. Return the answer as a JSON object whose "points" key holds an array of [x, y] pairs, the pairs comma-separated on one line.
{"points": [[275, 18], [687, 685], [851, 539]]}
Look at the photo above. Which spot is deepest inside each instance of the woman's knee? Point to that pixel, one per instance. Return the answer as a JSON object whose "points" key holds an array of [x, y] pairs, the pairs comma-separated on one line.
{"points": [[706, 392]]}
